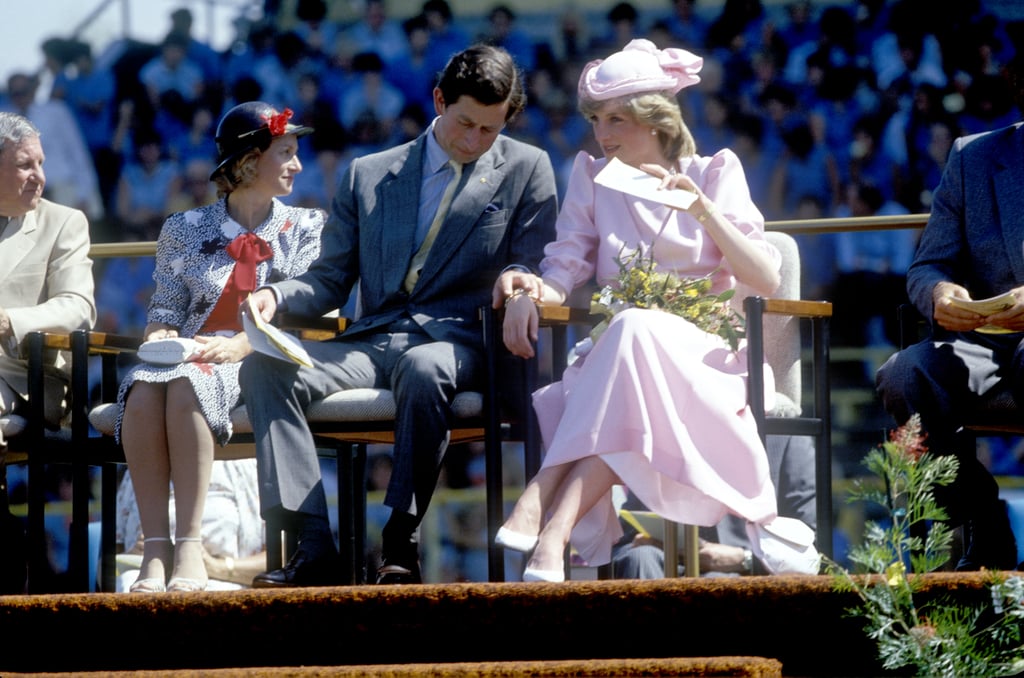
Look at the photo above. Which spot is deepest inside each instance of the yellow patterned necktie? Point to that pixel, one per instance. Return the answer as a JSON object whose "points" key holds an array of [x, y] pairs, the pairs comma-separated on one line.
{"points": [[420, 257]]}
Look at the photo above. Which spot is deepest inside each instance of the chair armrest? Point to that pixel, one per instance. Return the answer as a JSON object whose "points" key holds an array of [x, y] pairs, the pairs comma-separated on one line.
{"points": [[551, 316], [55, 341], [777, 342], [800, 308], [99, 343], [313, 328], [95, 342]]}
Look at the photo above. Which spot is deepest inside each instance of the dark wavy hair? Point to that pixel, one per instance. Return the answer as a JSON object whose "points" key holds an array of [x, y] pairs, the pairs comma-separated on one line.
{"points": [[486, 73]]}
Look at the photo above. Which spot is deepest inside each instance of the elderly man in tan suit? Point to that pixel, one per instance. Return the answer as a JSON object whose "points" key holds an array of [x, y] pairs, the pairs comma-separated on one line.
{"points": [[45, 272], [45, 275]]}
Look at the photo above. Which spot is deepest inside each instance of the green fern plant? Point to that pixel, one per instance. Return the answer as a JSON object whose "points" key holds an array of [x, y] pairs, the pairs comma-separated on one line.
{"points": [[941, 637]]}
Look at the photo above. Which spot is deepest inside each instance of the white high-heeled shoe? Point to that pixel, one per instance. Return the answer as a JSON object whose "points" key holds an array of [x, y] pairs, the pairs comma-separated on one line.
{"points": [[785, 546], [515, 541], [550, 576]]}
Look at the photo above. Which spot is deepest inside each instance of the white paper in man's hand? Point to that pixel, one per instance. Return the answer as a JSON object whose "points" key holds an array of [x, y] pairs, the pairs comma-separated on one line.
{"points": [[619, 176], [987, 307], [269, 340]]}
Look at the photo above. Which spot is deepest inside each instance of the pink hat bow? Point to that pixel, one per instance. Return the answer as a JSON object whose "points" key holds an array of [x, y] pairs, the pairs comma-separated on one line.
{"points": [[640, 67]]}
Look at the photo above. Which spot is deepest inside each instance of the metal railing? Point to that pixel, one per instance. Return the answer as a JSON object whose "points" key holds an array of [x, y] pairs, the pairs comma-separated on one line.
{"points": [[793, 227]]}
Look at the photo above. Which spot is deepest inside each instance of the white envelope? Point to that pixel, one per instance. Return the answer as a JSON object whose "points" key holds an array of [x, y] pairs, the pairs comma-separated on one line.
{"points": [[619, 176], [269, 340]]}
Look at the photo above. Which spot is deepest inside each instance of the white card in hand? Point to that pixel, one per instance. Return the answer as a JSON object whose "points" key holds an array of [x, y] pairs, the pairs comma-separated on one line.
{"points": [[269, 340], [619, 176]]}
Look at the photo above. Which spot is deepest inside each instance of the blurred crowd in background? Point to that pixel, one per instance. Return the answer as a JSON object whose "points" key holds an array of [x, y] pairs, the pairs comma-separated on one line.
{"points": [[834, 108]]}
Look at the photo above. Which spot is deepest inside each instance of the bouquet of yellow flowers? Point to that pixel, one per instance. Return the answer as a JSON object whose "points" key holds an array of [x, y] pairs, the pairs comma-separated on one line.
{"points": [[641, 285]]}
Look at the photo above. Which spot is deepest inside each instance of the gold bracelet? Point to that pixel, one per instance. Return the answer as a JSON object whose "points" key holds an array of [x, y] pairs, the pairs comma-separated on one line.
{"points": [[517, 292], [707, 213]]}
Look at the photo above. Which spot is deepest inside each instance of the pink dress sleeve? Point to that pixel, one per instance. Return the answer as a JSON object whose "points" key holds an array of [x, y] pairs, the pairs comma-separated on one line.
{"points": [[569, 259], [596, 223], [722, 179]]}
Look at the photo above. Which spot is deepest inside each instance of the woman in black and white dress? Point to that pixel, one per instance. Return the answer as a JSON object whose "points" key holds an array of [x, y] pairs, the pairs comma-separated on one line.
{"points": [[207, 261]]}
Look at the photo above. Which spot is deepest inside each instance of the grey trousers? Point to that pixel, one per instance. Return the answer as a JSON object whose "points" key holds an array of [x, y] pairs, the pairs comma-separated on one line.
{"points": [[424, 376]]}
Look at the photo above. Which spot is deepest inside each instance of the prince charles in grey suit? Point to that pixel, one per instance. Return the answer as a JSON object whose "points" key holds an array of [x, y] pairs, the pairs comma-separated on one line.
{"points": [[419, 333]]}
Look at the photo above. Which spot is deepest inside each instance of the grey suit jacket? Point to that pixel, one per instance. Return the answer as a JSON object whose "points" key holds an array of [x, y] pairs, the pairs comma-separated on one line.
{"points": [[46, 284], [504, 213], [975, 234]]}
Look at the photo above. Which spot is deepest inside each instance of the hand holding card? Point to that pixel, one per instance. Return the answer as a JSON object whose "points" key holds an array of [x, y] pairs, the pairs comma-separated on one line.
{"points": [[269, 340], [628, 179], [987, 307]]}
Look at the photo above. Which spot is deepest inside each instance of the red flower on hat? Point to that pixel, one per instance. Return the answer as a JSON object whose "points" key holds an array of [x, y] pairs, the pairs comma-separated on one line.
{"points": [[278, 123]]}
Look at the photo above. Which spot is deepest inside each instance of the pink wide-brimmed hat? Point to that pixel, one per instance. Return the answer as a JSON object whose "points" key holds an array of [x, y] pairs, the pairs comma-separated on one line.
{"points": [[640, 67]]}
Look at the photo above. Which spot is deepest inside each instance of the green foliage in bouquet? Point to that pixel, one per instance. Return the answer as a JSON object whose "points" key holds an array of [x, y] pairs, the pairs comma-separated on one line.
{"points": [[939, 638], [641, 285]]}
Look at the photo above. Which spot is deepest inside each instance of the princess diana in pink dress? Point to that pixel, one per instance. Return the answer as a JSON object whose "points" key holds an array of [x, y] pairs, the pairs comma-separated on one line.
{"points": [[657, 404]]}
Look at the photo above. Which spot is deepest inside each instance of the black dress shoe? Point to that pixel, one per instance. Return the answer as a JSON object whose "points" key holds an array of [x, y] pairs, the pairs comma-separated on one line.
{"points": [[303, 569], [395, 572]]}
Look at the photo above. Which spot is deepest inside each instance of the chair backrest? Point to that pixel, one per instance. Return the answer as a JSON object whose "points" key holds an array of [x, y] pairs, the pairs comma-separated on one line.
{"points": [[782, 332]]}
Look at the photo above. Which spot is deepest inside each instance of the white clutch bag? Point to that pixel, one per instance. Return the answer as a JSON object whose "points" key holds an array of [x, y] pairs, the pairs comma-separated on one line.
{"points": [[169, 351]]}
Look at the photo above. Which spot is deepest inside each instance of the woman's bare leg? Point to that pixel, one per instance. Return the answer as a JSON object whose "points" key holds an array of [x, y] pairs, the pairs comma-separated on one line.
{"points": [[144, 439], [190, 446], [527, 516], [587, 482]]}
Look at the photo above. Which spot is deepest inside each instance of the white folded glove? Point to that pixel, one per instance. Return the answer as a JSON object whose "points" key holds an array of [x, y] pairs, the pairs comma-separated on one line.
{"points": [[784, 546], [169, 351]]}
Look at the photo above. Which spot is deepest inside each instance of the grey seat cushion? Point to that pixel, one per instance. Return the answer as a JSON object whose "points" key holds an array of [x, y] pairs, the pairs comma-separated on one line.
{"points": [[353, 405]]}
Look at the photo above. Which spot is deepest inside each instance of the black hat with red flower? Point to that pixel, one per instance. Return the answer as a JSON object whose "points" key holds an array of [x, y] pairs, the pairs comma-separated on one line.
{"points": [[254, 124]]}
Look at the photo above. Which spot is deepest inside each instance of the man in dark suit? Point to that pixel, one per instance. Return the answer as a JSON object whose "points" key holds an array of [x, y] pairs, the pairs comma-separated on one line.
{"points": [[485, 202], [970, 249]]}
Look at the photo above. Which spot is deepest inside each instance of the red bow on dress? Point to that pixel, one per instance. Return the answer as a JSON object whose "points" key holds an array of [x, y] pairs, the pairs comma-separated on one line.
{"points": [[248, 250]]}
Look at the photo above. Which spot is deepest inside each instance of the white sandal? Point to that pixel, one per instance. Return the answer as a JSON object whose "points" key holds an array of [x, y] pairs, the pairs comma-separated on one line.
{"points": [[186, 584], [149, 584]]}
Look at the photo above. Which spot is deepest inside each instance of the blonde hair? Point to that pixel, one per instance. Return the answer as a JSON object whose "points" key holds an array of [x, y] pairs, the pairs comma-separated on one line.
{"points": [[240, 173], [658, 110]]}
